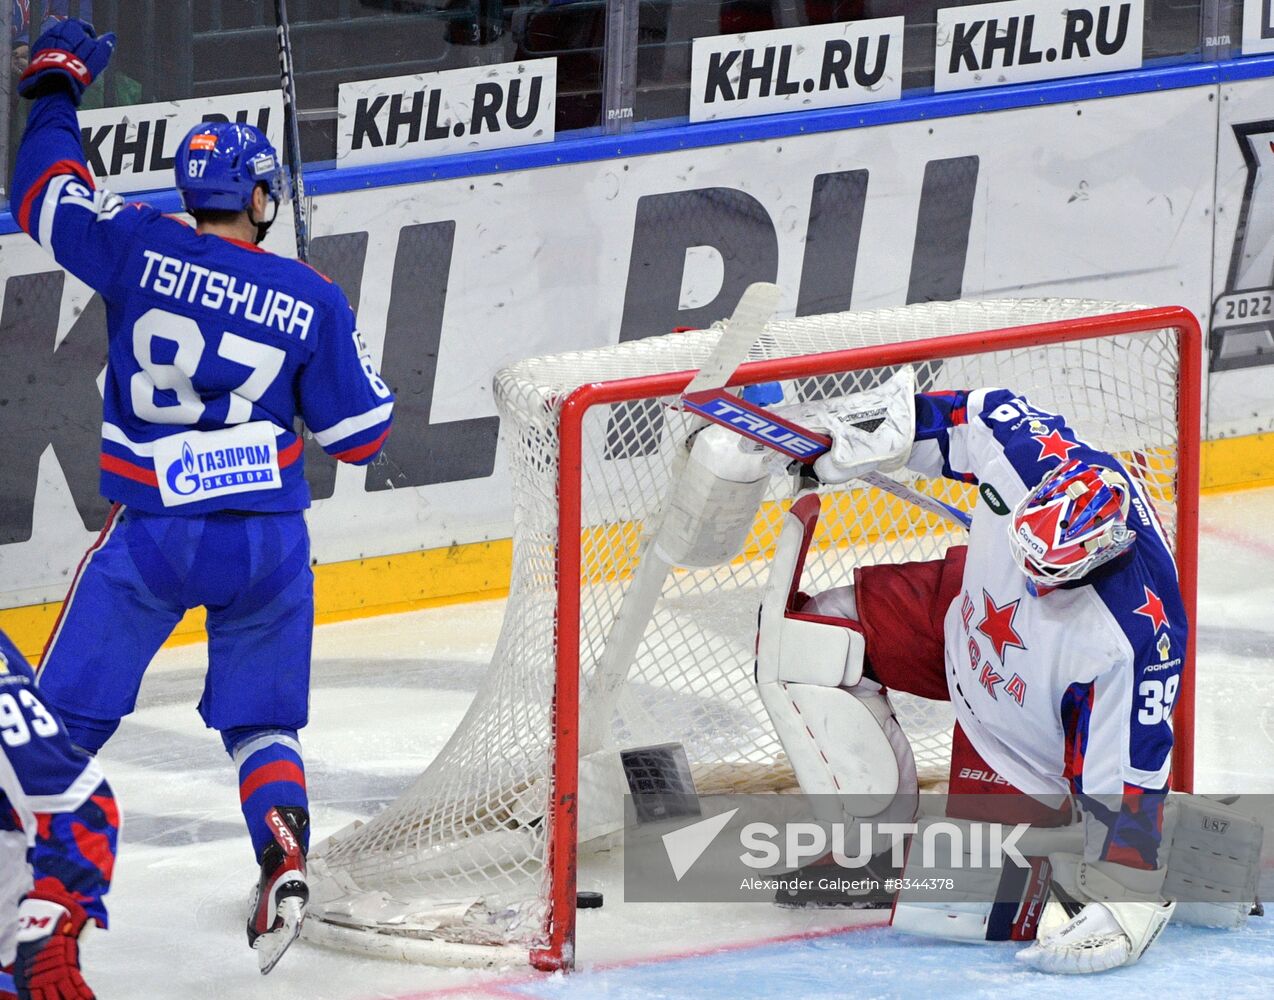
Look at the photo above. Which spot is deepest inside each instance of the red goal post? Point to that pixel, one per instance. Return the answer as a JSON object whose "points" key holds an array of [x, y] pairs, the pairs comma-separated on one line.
{"points": [[562, 848]]}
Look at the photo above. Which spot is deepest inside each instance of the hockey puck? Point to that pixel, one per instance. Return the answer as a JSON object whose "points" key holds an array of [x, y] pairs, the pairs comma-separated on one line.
{"points": [[588, 900]]}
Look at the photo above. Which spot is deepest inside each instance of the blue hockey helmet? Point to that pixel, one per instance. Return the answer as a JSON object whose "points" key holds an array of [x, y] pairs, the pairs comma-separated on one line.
{"points": [[219, 164]]}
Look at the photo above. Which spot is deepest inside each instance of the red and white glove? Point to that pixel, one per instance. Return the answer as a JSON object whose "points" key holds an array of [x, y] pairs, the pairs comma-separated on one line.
{"points": [[48, 962]]}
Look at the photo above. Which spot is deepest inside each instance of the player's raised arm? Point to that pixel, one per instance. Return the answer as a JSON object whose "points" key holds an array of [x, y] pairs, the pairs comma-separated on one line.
{"points": [[54, 197], [344, 401], [959, 433]]}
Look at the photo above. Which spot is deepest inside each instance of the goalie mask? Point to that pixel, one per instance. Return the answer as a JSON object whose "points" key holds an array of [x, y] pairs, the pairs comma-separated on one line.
{"points": [[1071, 523]]}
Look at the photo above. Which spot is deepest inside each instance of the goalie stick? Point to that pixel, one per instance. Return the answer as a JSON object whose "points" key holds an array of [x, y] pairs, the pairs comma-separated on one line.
{"points": [[800, 444], [742, 330], [292, 136]]}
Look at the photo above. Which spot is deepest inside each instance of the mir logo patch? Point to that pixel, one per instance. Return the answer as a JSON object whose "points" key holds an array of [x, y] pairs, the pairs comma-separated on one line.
{"points": [[993, 499]]}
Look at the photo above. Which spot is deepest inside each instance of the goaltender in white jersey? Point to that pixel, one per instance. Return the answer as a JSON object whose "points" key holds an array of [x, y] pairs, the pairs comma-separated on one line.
{"points": [[1058, 634]]}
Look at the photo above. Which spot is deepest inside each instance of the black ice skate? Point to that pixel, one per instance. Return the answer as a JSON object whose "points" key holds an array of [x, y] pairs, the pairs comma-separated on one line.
{"points": [[282, 891]]}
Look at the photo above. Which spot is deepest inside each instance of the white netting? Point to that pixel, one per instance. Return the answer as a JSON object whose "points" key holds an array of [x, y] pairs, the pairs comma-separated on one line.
{"points": [[460, 856]]}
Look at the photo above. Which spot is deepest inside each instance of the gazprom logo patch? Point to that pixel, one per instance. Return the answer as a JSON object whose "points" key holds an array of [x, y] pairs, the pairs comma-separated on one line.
{"points": [[220, 467], [183, 479], [199, 465]]}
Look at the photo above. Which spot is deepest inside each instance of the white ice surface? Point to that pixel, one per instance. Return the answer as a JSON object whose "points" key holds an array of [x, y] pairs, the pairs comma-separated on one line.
{"points": [[388, 691]]}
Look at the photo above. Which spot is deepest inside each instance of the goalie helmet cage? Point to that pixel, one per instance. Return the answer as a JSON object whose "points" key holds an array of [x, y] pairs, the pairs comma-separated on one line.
{"points": [[475, 863]]}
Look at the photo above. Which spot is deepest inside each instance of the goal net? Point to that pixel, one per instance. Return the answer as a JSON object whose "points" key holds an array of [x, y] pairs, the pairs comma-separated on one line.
{"points": [[475, 862]]}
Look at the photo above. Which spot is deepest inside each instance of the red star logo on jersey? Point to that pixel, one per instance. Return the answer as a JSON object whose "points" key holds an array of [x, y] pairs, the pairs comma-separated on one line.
{"points": [[1153, 609], [1053, 445], [997, 625]]}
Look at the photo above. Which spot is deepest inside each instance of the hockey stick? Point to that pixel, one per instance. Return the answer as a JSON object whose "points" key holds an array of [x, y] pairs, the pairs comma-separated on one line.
{"points": [[798, 443], [292, 131], [742, 330]]}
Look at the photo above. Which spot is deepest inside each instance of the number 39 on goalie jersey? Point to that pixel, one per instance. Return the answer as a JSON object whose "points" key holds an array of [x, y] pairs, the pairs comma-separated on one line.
{"points": [[215, 345], [1101, 656]]}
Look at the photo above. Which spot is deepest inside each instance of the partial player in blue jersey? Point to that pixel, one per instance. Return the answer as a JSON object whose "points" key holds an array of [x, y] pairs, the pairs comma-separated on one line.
{"points": [[58, 831], [217, 349]]}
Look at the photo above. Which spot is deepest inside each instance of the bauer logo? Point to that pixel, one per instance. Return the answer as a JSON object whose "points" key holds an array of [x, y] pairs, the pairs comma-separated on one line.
{"points": [[200, 465], [793, 69], [133, 148], [451, 111], [992, 44]]}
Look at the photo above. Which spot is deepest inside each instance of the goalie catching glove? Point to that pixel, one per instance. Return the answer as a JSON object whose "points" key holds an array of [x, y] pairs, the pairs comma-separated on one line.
{"points": [[1099, 916], [870, 430]]}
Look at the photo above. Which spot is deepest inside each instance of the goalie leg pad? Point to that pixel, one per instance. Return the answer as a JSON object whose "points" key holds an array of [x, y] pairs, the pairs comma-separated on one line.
{"points": [[988, 901], [843, 743], [805, 642], [1214, 862], [839, 732]]}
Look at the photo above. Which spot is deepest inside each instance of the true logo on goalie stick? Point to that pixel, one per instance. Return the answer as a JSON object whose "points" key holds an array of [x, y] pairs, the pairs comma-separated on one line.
{"points": [[754, 424]]}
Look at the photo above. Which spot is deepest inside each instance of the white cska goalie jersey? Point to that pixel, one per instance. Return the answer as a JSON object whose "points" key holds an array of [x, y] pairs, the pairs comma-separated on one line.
{"points": [[1074, 689]]}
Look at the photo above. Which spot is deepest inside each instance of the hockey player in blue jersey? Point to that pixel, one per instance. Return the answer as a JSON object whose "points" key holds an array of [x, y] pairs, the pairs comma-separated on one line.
{"points": [[58, 830], [216, 348]]}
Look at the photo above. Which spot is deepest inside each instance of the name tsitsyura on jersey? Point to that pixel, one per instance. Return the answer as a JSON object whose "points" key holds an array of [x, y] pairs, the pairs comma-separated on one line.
{"points": [[179, 279]]}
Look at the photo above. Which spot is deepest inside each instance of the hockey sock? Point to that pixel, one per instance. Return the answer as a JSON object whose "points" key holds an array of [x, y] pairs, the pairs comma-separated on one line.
{"points": [[271, 773], [90, 735]]}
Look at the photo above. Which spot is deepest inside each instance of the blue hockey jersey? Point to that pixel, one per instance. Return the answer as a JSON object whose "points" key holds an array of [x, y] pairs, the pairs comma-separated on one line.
{"points": [[54, 793], [216, 347]]}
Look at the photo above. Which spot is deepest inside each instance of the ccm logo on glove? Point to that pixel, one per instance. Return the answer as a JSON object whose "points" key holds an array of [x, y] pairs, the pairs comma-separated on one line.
{"points": [[57, 59]]}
